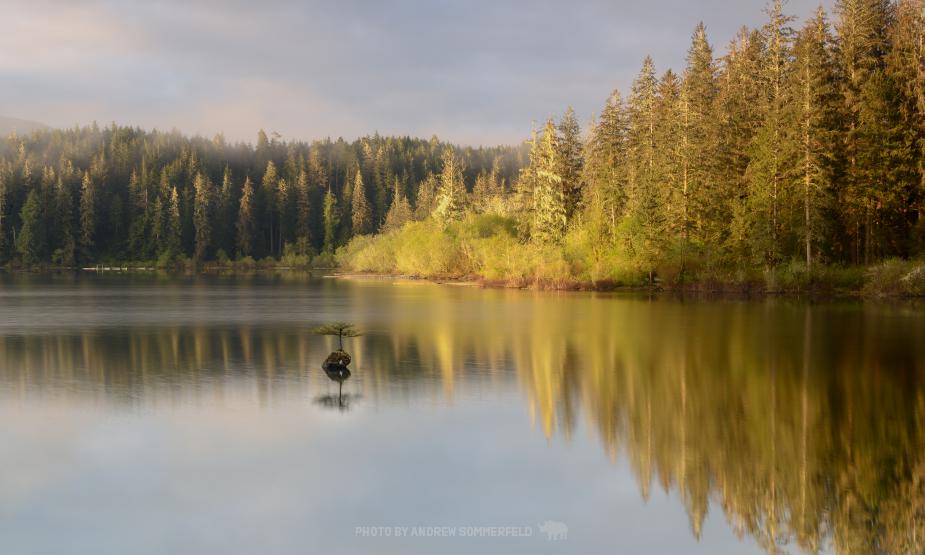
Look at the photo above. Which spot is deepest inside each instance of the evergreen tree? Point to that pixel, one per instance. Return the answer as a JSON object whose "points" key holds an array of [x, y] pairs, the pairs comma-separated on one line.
{"points": [[605, 168], [549, 194], [66, 252], [246, 226], [303, 206], [642, 228], [905, 65], [426, 197], [763, 224], [450, 200], [331, 222], [571, 161], [33, 239], [700, 202], [202, 215], [868, 146], [814, 100], [173, 240], [87, 217], [269, 189], [399, 212], [3, 203], [360, 215]]}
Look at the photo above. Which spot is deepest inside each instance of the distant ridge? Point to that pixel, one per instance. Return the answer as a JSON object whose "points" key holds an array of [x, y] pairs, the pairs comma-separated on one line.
{"points": [[20, 126]]}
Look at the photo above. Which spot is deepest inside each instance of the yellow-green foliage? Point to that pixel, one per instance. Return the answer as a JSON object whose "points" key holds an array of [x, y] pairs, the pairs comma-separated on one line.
{"points": [[486, 245]]}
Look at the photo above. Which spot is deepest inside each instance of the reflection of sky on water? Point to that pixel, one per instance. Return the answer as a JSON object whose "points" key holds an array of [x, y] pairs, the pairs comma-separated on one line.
{"points": [[201, 431]]}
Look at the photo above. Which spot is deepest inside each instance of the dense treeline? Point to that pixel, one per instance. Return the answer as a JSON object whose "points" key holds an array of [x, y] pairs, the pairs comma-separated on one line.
{"points": [[795, 147], [90, 195]]}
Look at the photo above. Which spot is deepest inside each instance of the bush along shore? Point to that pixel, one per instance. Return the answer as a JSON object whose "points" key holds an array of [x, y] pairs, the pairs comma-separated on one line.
{"points": [[486, 250]]}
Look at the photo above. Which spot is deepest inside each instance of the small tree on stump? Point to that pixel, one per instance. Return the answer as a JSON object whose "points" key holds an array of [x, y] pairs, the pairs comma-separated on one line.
{"points": [[340, 329]]}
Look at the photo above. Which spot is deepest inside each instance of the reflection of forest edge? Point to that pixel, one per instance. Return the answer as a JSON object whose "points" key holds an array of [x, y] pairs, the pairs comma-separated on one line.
{"points": [[805, 425]]}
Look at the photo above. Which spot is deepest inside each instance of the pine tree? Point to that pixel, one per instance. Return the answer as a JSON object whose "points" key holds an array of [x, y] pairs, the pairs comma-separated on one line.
{"points": [[360, 213], [33, 238], [202, 215], [571, 161], [247, 225], [450, 200], [331, 222], [87, 218]]}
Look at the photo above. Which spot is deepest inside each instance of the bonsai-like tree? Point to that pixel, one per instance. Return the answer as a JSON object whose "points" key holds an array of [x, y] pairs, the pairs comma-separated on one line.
{"points": [[340, 329]]}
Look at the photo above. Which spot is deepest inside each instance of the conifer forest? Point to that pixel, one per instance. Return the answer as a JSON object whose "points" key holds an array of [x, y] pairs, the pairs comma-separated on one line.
{"points": [[797, 148]]}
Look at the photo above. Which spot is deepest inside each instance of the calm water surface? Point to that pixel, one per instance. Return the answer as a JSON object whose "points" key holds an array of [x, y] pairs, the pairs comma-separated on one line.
{"points": [[161, 415]]}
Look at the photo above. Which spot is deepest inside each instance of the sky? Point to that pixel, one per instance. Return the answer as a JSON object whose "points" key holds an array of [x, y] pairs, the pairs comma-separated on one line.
{"points": [[475, 72]]}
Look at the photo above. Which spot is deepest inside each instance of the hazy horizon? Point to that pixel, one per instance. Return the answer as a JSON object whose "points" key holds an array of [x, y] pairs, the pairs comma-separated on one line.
{"points": [[471, 73]]}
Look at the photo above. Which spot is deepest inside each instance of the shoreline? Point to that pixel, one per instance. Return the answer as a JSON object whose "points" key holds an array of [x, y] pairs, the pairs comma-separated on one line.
{"points": [[709, 288]]}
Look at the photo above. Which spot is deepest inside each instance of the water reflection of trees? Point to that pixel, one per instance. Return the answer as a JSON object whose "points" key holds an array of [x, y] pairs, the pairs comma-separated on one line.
{"points": [[805, 425]]}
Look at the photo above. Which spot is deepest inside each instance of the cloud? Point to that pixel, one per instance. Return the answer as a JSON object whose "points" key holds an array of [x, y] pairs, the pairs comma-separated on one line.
{"points": [[477, 71]]}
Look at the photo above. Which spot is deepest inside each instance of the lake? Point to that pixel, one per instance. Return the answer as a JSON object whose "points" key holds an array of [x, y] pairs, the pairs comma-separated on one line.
{"points": [[146, 414]]}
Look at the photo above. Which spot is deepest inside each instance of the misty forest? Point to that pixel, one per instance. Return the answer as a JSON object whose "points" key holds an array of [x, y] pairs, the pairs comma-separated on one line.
{"points": [[796, 153]]}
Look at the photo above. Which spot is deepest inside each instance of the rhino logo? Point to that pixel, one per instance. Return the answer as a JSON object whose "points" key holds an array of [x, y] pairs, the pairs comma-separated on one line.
{"points": [[554, 530]]}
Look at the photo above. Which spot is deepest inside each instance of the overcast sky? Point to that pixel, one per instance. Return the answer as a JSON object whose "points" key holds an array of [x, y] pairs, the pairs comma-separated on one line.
{"points": [[470, 71]]}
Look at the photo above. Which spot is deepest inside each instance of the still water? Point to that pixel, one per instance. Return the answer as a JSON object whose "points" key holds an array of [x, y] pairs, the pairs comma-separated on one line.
{"points": [[152, 415]]}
